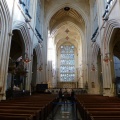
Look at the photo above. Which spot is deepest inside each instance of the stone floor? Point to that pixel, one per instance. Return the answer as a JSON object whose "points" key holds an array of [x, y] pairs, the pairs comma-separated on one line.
{"points": [[64, 112]]}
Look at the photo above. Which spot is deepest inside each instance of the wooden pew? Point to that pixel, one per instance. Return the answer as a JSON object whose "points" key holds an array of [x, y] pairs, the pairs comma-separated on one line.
{"points": [[38, 106], [15, 117], [17, 111], [105, 117], [94, 107]]}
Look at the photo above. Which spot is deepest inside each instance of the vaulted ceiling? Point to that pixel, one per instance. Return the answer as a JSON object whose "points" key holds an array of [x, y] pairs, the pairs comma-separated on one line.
{"points": [[66, 24], [66, 15]]}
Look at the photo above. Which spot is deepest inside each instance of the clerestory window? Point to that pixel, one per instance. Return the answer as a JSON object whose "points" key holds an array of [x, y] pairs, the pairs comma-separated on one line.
{"points": [[25, 4]]}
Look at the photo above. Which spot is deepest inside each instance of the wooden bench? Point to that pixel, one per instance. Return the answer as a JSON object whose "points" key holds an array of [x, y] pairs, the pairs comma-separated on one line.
{"points": [[98, 107], [15, 117], [17, 111], [105, 117], [35, 107]]}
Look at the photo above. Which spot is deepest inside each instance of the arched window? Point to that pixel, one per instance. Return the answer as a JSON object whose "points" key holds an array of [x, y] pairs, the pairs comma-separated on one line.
{"points": [[67, 63]]}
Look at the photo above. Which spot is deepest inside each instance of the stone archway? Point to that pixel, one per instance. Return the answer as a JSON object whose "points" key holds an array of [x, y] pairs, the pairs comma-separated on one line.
{"points": [[115, 60], [20, 51], [57, 8], [5, 36], [22, 27], [17, 45], [16, 78], [110, 48]]}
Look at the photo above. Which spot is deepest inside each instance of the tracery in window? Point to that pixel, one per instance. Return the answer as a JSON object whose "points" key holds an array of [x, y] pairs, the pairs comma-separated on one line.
{"points": [[67, 63]]}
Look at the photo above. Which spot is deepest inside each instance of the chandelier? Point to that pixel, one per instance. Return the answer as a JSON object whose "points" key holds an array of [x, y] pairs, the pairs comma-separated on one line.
{"points": [[106, 58], [26, 60], [93, 68], [40, 68], [12, 66]]}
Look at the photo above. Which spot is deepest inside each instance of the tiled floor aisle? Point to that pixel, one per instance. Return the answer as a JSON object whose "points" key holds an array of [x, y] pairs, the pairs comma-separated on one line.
{"points": [[65, 112]]}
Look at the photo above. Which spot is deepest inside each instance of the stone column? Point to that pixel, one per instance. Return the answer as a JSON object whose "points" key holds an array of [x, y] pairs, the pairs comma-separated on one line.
{"points": [[108, 86]]}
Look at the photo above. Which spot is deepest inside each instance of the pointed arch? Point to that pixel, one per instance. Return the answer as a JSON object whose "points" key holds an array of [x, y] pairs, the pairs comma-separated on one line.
{"points": [[108, 35], [108, 32], [24, 31], [5, 27], [22, 27]]}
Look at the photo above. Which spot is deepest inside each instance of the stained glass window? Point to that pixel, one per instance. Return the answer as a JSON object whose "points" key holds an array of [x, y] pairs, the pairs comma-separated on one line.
{"points": [[67, 63]]}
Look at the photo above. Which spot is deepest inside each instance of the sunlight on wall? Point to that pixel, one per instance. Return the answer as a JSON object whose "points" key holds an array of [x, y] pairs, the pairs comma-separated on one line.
{"points": [[10, 5], [51, 50]]}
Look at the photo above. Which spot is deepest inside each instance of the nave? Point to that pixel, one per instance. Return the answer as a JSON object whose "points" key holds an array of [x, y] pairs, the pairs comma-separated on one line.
{"points": [[59, 44], [48, 107]]}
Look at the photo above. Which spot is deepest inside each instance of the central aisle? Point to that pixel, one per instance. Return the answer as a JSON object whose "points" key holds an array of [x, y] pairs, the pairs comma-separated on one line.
{"points": [[65, 112]]}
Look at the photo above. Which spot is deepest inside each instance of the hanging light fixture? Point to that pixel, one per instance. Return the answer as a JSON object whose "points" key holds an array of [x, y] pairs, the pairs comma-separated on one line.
{"points": [[40, 68], [93, 68], [86, 85], [106, 58], [26, 60], [12, 66]]}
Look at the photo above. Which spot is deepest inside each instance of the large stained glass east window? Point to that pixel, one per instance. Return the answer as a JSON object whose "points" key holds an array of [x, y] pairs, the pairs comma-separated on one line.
{"points": [[67, 63]]}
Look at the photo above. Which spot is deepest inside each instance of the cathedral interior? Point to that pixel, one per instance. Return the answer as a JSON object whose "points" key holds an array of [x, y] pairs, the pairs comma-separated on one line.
{"points": [[50, 49]]}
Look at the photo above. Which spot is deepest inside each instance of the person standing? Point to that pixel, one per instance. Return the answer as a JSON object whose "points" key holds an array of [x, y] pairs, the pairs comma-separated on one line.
{"points": [[65, 97], [60, 95], [72, 96]]}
